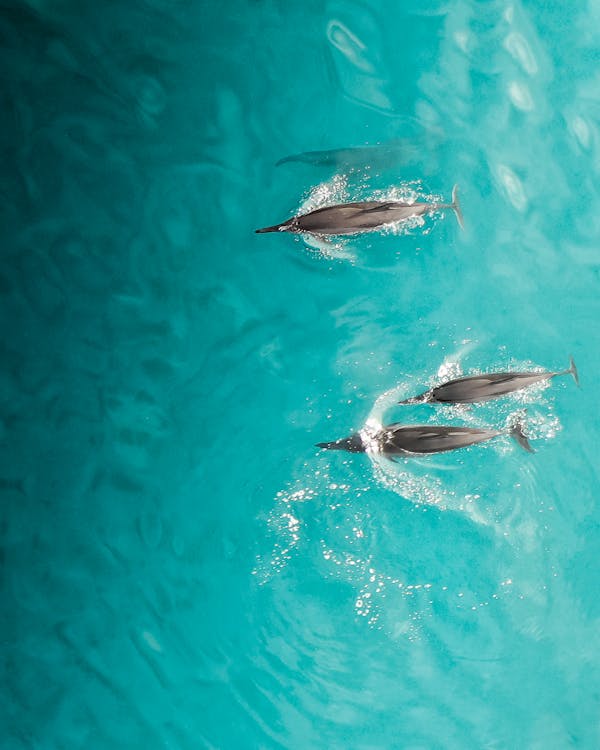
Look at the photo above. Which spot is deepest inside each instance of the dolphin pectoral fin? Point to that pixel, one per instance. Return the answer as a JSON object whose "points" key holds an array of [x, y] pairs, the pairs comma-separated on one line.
{"points": [[517, 433]]}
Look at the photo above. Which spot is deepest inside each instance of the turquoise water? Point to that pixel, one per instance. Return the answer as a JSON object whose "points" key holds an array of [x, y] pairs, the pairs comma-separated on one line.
{"points": [[182, 568]]}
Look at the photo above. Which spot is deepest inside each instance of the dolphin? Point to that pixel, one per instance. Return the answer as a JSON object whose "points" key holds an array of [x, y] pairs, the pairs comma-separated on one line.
{"points": [[406, 440], [375, 156], [364, 216], [475, 388]]}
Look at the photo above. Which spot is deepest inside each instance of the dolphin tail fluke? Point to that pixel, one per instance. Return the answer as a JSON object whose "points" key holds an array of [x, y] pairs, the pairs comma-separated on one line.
{"points": [[275, 228], [455, 206], [573, 370], [516, 431]]}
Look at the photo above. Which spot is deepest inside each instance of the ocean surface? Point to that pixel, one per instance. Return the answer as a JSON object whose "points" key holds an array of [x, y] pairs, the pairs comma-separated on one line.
{"points": [[181, 567]]}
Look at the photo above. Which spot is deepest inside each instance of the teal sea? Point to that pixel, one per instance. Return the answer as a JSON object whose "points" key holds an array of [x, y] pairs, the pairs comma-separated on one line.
{"points": [[181, 567]]}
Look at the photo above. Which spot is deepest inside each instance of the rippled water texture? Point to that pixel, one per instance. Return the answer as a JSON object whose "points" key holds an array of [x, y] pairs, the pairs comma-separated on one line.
{"points": [[181, 567]]}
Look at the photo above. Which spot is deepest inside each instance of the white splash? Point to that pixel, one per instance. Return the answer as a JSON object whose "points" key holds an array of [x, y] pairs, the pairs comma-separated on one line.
{"points": [[336, 190]]}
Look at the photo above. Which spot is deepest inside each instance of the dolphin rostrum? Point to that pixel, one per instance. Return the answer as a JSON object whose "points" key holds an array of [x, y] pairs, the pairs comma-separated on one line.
{"points": [[473, 388], [364, 216], [406, 440]]}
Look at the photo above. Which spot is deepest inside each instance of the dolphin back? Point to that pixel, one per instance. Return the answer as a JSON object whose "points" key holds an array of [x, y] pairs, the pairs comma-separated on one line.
{"points": [[352, 218], [432, 438], [475, 388]]}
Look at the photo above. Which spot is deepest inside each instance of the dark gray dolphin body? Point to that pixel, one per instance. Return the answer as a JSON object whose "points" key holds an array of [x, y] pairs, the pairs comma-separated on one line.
{"points": [[474, 388], [365, 216], [400, 440]]}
